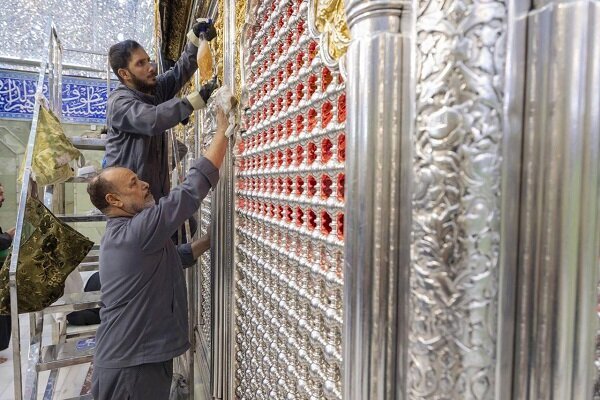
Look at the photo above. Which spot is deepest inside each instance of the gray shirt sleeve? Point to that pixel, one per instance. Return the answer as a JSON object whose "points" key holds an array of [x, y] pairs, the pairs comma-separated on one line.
{"points": [[156, 224], [134, 116], [173, 80], [185, 255]]}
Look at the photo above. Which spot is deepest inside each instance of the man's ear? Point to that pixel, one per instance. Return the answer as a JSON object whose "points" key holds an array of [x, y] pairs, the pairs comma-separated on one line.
{"points": [[113, 200], [123, 73]]}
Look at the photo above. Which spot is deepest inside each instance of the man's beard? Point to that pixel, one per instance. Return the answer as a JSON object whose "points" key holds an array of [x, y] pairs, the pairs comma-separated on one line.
{"points": [[141, 85], [149, 202]]}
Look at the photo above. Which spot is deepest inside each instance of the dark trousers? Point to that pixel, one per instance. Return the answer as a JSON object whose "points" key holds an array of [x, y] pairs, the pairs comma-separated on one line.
{"points": [[91, 316], [140, 382], [5, 327]]}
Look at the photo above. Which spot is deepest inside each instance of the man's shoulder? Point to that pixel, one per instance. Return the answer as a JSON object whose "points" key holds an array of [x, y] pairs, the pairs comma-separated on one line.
{"points": [[121, 93], [118, 231]]}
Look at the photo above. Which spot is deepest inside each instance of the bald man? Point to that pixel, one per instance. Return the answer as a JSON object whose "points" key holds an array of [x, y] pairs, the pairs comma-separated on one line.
{"points": [[144, 322]]}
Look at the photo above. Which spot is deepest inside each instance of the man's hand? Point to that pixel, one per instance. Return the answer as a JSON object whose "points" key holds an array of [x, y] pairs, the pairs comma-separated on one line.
{"points": [[207, 89], [205, 29], [201, 245], [199, 99], [222, 121], [11, 232]]}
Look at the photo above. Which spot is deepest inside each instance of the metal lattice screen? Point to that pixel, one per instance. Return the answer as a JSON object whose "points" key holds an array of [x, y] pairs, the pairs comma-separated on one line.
{"points": [[290, 214]]}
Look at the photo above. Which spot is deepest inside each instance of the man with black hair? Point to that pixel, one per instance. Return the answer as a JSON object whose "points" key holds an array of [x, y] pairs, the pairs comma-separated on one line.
{"points": [[6, 239], [144, 106]]}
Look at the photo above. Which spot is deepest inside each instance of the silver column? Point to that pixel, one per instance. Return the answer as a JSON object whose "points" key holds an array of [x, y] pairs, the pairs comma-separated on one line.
{"points": [[558, 260], [512, 143], [222, 231], [379, 159], [461, 59]]}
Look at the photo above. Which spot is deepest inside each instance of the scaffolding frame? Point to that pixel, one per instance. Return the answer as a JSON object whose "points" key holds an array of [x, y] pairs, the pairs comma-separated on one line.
{"points": [[53, 63]]}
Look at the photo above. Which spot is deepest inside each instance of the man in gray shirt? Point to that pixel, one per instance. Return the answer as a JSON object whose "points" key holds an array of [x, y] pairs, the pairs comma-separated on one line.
{"points": [[144, 315], [144, 106]]}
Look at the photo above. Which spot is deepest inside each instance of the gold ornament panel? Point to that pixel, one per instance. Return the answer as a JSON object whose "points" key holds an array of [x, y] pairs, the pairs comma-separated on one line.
{"points": [[328, 18]]}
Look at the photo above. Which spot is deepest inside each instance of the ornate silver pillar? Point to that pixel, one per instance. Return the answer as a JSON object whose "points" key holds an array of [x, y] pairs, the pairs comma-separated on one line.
{"points": [[379, 129], [222, 247], [457, 165], [558, 258]]}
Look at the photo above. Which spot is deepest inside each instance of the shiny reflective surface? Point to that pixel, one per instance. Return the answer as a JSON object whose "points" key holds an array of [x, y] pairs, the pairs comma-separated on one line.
{"points": [[558, 258], [289, 206], [456, 202], [83, 24], [377, 252], [329, 220], [514, 93]]}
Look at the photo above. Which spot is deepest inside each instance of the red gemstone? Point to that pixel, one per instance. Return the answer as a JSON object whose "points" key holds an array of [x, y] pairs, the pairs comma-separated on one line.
{"points": [[311, 186], [311, 220], [299, 124], [312, 119], [342, 108], [299, 186], [326, 183], [326, 115], [299, 216], [341, 181], [299, 92], [299, 154], [312, 153], [342, 148], [325, 223], [312, 85], [326, 153], [340, 226], [326, 79]]}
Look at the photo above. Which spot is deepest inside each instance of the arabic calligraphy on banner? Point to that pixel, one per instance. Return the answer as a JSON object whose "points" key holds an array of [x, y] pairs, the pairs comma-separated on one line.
{"points": [[83, 99]]}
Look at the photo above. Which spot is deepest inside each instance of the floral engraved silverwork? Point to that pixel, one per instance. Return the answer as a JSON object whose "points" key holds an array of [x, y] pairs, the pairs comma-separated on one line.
{"points": [[456, 204]]}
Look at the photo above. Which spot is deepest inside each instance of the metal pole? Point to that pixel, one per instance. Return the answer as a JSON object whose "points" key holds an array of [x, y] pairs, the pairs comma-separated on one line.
{"points": [[57, 53], [222, 231], [378, 163], [558, 258], [514, 96]]}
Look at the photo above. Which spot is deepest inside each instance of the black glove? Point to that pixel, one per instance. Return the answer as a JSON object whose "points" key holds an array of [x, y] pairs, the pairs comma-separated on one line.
{"points": [[207, 89], [205, 29]]}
